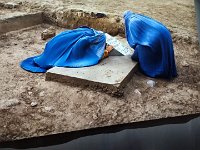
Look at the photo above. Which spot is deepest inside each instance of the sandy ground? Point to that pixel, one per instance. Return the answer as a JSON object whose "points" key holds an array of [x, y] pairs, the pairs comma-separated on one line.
{"points": [[63, 108]]}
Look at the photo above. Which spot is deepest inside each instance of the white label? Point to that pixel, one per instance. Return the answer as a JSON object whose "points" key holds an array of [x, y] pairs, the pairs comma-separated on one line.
{"points": [[119, 46]]}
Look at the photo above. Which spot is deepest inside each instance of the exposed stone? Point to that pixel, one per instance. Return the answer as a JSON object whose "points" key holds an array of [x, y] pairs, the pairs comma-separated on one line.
{"points": [[48, 33], [48, 108], [151, 83], [30, 93], [137, 92], [4, 104], [41, 94], [94, 116], [34, 104], [185, 64]]}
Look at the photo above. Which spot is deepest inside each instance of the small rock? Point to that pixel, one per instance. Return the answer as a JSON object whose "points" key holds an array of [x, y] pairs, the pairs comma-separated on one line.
{"points": [[11, 5], [137, 92], [48, 33], [48, 108], [115, 114], [33, 104], [185, 64], [29, 88], [30, 93], [41, 94], [94, 116], [151, 83], [8, 103]]}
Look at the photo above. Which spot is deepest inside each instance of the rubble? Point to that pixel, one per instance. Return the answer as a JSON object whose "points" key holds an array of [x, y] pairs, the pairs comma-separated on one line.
{"points": [[34, 104], [137, 92], [41, 94], [48, 33], [185, 64], [48, 108], [151, 83]]}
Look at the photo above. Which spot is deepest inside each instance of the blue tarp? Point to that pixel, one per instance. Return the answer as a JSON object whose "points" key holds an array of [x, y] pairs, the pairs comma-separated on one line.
{"points": [[152, 43], [80, 47]]}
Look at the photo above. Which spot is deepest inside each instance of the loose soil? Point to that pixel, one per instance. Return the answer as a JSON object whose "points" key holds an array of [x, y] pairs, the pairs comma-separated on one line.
{"points": [[63, 108]]}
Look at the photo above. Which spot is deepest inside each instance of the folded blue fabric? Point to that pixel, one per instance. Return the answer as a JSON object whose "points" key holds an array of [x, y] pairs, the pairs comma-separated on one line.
{"points": [[152, 43], [80, 47]]}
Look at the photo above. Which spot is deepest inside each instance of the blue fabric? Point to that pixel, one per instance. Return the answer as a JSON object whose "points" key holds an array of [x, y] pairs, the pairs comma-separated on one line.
{"points": [[152, 43], [80, 47]]}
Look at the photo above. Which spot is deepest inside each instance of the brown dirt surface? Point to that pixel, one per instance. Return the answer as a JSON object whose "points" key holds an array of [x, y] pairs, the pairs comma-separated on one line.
{"points": [[61, 108]]}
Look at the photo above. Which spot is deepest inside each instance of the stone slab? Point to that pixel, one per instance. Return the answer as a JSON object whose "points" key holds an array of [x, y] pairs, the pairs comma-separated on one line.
{"points": [[12, 22], [112, 73]]}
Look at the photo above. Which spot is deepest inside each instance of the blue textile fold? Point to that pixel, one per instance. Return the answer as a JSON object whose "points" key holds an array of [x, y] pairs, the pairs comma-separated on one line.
{"points": [[152, 43], [80, 47]]}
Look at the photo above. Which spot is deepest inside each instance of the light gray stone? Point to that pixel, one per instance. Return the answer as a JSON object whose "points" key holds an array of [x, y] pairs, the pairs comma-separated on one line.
{"points": [[185, 64], [137, 92], [112, 73], [151, 83], [41, 94], [47, 108], [34, 104], [4, 104]]}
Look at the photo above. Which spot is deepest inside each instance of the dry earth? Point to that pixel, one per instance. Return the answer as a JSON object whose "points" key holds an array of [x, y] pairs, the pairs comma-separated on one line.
{"points": [[62, 108]]}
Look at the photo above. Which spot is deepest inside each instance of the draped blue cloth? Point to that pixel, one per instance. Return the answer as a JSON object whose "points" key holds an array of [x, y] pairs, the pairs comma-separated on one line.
{"points": [[152, 43], [80, 47]]}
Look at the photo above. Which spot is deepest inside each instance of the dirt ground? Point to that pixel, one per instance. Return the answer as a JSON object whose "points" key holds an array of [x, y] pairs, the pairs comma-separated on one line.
{"points": [[62, 108]]}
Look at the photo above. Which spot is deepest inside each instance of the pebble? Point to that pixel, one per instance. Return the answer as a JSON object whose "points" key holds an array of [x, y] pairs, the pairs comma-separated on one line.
{"points": [[48, 33], [30, 93], [151, 83], [185, 64], [48, 108], [33, 104], [41, 94], [137, 92], [94, 116], [8, 103]]}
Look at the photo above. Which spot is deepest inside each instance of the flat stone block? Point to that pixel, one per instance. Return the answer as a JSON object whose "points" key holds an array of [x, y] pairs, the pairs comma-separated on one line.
{"points": [[111, 74]]}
